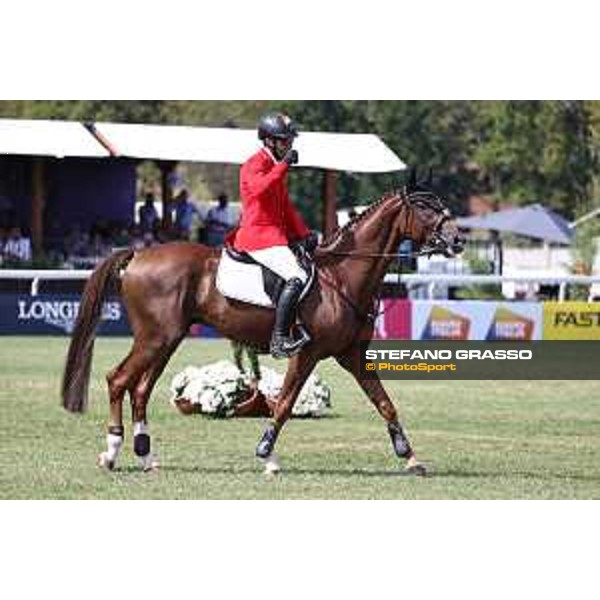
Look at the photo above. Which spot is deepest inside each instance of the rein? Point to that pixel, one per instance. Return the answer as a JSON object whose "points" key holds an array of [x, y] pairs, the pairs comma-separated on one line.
{"points": [[426, 250], [362, 315]]}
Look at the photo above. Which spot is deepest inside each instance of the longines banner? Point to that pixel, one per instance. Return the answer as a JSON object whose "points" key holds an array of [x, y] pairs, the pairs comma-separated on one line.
{"points": [[476, 320], [571, 321], [55, 314], [460, 360]]}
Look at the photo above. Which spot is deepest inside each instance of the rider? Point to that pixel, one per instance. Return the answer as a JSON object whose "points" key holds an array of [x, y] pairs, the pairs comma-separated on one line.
{"points": [[270, 223]]}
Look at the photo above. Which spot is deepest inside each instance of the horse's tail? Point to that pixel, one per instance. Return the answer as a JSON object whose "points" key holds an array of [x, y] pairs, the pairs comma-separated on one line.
{"points": [[76, 376]]}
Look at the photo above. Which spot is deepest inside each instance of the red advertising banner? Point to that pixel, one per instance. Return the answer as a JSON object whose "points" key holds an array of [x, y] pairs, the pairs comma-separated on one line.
{"points": [[394, 320]]}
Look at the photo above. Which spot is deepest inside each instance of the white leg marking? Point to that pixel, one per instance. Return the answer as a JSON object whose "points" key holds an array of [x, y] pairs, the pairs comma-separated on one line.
{"points": [[272, 464], [108, 459]]}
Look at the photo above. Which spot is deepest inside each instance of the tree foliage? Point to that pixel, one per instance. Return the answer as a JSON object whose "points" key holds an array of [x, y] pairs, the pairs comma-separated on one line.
{"points": [[514, 152]]}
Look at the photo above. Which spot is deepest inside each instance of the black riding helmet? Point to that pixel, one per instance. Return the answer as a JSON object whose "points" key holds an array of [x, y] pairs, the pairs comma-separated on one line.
{"points": [[276, 125]]}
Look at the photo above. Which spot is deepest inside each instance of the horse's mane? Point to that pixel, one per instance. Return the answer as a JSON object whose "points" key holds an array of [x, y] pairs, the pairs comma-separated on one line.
{"points": [[335, 235]]}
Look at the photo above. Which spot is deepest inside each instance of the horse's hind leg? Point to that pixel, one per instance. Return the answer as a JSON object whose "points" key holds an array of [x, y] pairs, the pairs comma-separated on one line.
{"points": [[118, 380], [140, 395], [380, 399], [122, 379]]}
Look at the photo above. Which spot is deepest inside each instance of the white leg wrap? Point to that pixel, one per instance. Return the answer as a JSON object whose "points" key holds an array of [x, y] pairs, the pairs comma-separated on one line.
{"points": [[113, 444]]}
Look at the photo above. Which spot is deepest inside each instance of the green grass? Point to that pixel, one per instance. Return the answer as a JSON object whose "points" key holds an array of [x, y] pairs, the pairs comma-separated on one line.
{"points": [[538, 439]]}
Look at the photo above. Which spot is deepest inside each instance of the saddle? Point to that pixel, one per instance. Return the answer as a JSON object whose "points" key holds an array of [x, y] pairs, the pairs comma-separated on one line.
{"points": [[240, 277]]}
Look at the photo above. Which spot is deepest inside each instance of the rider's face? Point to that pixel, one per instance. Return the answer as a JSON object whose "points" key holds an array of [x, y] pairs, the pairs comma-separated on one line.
{"points": [[280, 147]]}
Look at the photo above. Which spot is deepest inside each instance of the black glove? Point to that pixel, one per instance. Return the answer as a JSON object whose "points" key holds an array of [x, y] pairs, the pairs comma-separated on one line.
{"points": [[291, 157], [310, 242]]}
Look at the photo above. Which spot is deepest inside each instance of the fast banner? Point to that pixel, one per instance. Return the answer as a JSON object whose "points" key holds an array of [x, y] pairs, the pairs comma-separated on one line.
{"points": [[571, 321], [476, 320]]}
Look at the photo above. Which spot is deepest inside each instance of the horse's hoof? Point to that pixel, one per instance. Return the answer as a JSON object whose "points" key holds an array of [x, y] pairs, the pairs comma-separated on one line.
{"points": [[272, 465], [104, 463], [417, 469], [151, 466]]}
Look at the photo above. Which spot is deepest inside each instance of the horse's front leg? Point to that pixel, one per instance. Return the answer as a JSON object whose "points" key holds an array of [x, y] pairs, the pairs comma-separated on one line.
{"points": [[380, 399], [299, 368]]}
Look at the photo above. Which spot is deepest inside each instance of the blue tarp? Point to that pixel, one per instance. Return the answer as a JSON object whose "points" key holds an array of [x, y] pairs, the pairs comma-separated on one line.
{"points": [[534, 221]]}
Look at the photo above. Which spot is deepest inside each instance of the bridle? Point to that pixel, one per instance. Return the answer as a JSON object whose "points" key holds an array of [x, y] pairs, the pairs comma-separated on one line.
{"points": [[435, 244]]}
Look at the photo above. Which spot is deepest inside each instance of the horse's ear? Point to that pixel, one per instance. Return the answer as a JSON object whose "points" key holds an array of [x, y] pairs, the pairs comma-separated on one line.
{"points": [[412, 179]]}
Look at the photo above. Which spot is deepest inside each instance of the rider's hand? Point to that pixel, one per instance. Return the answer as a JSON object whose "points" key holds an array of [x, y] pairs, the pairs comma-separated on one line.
{"points": [[291, 157], [311, 241]]}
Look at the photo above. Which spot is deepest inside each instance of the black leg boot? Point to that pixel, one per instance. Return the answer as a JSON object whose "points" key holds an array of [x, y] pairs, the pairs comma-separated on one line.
{"points": [[282, 344]]}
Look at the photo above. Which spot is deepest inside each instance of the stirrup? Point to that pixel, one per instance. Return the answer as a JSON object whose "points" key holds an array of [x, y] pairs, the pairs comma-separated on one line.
{"points": [[286, 347]]}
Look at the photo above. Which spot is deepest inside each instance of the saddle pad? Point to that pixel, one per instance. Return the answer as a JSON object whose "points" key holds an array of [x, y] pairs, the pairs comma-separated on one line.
{"points": [[242, 281]]}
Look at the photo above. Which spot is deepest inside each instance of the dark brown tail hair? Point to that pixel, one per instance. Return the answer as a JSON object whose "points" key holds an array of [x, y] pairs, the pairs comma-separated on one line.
{"points": [[76, 376]]}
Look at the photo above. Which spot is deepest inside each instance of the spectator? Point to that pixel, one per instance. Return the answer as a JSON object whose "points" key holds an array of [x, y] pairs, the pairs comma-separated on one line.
{"points": [[148, 213], [2, 242], [184, 214], [17, 246], [219, 221], [136, 237], [98, 247], [82, 245], [120, 236]]}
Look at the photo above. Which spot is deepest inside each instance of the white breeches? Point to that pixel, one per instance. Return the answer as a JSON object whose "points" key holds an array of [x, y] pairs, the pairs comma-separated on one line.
{"points": [[280, 260]]}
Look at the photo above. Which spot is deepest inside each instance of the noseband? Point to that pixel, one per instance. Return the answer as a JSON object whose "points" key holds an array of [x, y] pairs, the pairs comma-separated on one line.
{"points": [[436, 242]]}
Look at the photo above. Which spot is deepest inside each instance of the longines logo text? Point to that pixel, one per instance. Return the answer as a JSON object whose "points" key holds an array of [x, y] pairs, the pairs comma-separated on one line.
{"points": [[61, 314]]}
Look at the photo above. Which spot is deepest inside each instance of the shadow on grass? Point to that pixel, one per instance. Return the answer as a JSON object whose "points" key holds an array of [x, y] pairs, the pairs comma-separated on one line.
{"points": [[352, 473], [475, 474], [286, 471]]}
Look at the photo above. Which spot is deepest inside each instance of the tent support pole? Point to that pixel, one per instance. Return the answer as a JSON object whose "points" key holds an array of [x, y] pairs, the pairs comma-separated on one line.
{"points": [[38, 202], [330, 222], [166, 170]]}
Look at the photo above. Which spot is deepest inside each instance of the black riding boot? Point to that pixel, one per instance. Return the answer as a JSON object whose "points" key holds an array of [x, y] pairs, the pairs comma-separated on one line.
{"points": [[282, 344]]}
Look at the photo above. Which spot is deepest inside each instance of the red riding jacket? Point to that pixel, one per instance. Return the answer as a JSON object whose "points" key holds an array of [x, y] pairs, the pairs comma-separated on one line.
{"points": [[268, 216]]}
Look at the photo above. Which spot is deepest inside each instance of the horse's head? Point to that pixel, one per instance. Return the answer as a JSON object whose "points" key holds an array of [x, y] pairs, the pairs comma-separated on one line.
{"points": [[431, 224]]}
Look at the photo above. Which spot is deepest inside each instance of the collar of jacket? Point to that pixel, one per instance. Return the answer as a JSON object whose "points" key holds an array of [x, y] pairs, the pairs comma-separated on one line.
{"points": [[270, 155]]}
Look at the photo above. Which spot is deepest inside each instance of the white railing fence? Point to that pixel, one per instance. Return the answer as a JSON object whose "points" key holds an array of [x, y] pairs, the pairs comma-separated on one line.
{"points": [[37, 275], [430, 281]]}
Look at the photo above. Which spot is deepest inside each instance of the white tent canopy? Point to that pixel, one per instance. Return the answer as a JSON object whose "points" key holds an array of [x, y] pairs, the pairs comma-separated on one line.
{"points": [[48, 138], [358, 152], [363, 153]]}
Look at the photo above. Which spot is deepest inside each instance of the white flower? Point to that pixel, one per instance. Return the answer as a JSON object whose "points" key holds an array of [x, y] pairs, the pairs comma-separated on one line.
{"points": [[217, 388]]}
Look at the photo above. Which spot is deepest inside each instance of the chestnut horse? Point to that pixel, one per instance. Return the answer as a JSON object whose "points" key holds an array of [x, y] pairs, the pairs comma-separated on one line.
{"points": [[167, 288]]}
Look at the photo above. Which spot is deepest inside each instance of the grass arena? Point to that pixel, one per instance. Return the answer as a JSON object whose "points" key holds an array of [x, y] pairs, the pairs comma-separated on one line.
{"points": [[482, 440]]}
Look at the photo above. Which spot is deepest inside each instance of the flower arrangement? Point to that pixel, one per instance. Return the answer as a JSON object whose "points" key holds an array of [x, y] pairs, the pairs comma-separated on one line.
{"points": [[219, 388]]}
